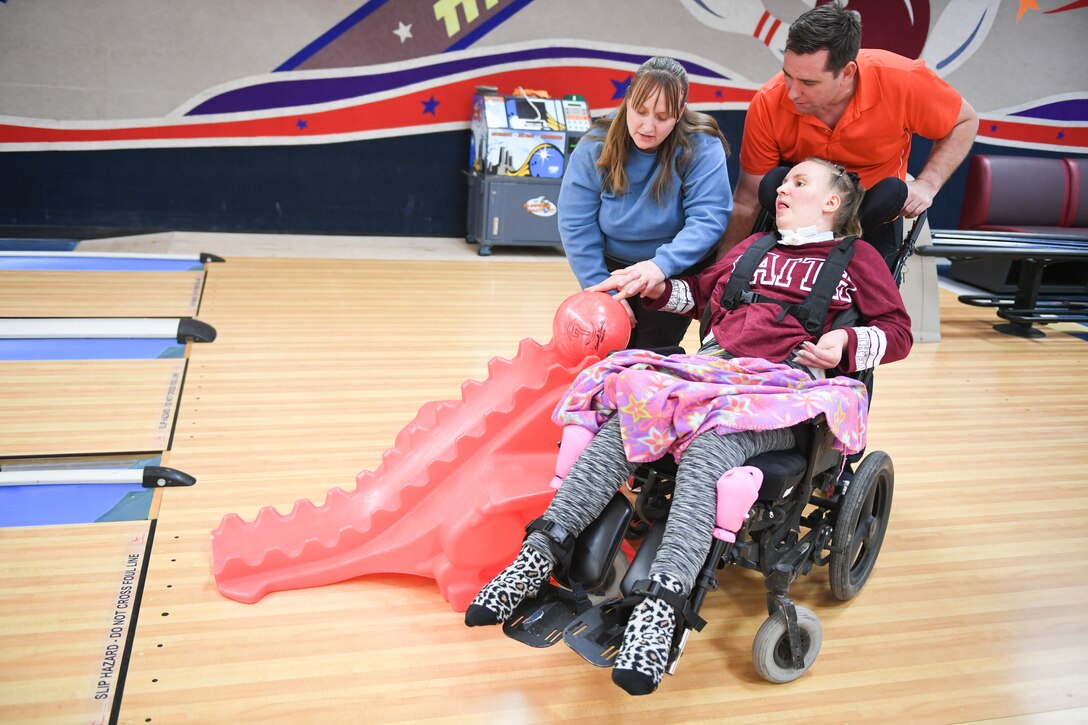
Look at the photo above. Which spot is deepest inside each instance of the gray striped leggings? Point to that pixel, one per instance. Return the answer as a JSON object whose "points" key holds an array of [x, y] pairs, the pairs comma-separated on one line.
{"points": [[603, 468]]}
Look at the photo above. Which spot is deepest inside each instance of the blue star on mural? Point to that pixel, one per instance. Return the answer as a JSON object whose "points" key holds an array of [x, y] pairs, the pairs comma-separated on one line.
{"points": [[718, 93], [993, 127], [430, 105], [301, 123], [1061, 134], [621, 87]]}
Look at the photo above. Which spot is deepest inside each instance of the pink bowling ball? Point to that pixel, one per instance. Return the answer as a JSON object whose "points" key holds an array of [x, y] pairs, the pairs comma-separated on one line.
{"points": [[590, 323]]}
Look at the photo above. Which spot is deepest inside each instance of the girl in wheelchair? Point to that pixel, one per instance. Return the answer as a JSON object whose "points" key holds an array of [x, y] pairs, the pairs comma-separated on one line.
{"points": [[756, 330]]}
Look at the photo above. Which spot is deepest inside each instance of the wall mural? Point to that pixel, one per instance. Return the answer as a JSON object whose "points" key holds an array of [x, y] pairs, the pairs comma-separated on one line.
{"points": [[398, 77], [410, 67]]}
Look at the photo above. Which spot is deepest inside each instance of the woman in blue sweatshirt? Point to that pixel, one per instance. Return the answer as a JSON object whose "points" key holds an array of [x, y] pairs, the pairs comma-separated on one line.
{"points": [[647, 190]]}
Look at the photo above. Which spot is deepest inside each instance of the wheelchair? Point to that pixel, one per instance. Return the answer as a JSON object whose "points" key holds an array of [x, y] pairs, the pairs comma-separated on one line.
{"points": [[814, 507]]}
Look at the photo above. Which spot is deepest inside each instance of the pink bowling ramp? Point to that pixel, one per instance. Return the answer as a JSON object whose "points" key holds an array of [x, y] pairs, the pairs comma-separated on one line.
{"points": [[449, 501]]}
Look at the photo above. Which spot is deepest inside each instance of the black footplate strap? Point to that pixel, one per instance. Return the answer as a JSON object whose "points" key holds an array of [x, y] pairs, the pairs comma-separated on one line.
{"points": [[680, 604], [560, 542], [539, 621]]}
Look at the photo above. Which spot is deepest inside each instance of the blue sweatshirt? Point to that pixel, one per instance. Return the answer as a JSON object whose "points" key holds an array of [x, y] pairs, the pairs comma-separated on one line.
{"points": [[633, 227]]}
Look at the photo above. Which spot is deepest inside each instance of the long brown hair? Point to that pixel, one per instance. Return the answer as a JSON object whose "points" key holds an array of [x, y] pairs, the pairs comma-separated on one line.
{"points": [[848, 185], [669, 77]]}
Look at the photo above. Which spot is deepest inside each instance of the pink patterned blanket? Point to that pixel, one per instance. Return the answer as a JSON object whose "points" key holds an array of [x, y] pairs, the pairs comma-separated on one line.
{"points": [[664, 402]]}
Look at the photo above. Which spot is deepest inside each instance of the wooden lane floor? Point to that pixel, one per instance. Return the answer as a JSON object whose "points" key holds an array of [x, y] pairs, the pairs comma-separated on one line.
{"points": [[66, 407], [52, 293], [67, 607], [973, 612], [70, 593], [106, 394]]}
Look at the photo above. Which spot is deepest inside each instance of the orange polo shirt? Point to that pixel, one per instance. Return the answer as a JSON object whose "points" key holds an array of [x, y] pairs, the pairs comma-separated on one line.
{"points": [[895, 97]]}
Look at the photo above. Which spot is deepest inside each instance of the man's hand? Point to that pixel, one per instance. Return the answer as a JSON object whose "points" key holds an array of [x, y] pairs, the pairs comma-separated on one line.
{"points": [[920, 195], [826, 353], [946, 155]]}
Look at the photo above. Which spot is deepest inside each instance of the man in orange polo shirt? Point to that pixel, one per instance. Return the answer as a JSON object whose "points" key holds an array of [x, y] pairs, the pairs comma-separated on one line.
{"points": [[858, 108]]}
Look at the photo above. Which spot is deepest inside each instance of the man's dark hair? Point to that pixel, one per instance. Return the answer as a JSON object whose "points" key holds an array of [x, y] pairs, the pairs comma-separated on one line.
{"points": [[827, 27]]}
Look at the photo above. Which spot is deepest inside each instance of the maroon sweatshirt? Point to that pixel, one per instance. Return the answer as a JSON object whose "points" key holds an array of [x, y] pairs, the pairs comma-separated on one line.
{"points": [[787, 273]]}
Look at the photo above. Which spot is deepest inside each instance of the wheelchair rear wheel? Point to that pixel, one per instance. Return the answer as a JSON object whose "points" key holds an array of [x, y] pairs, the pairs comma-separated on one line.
{"points": [[771, 648], [860, 526]]}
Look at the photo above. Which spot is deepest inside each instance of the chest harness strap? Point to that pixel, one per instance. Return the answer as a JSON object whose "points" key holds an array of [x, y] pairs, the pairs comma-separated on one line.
{"points": [[812, 313]]}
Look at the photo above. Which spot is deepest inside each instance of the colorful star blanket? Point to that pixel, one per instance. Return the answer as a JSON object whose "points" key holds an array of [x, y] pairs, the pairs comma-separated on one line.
{"points": [[664, 402]]}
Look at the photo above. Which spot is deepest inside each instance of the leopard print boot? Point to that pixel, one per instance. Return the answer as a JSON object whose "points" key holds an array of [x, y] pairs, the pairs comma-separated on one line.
{"points": [[517, 582], [640, 664]]}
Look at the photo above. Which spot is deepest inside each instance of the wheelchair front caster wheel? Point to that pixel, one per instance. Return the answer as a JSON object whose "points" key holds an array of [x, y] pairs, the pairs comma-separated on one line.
{"points": [[771, 648]]}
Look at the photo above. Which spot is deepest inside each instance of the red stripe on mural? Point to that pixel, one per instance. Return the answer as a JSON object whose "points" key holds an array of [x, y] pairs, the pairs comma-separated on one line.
{"points": [[759, 28], [596, 85], [1016, 132], [454, 104], [699, 93], [1071, 6], [770, 33]]}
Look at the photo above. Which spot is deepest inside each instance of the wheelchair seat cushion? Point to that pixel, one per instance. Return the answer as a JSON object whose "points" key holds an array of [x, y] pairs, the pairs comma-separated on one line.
{"points": [[782, 471]]}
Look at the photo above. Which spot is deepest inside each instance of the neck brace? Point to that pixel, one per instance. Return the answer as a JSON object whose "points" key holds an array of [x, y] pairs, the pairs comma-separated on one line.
{"points": [[804, 235]]}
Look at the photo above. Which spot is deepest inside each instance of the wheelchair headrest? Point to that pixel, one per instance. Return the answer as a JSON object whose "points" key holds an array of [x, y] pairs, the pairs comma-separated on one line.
{"points": [[881, 204], [768, 187]]}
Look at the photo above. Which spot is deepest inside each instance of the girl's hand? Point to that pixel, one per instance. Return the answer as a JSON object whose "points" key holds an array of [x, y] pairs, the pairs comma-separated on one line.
{"points": [[630, 312], [648, 277], [826, 353], [645, 279]]}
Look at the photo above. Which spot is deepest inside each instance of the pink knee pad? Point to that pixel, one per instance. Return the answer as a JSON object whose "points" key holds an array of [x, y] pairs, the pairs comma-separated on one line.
{"points": [[737, 491], [575, 439]]}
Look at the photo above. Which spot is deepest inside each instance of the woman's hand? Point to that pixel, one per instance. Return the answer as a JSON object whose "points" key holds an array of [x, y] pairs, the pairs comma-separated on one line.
{"points": [[616, 282], [645, 279], [826, 352]]}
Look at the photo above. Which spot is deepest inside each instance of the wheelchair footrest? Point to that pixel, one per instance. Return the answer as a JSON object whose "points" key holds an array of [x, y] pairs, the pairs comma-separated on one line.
{"points": [[539, 622], [597, 634]]}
